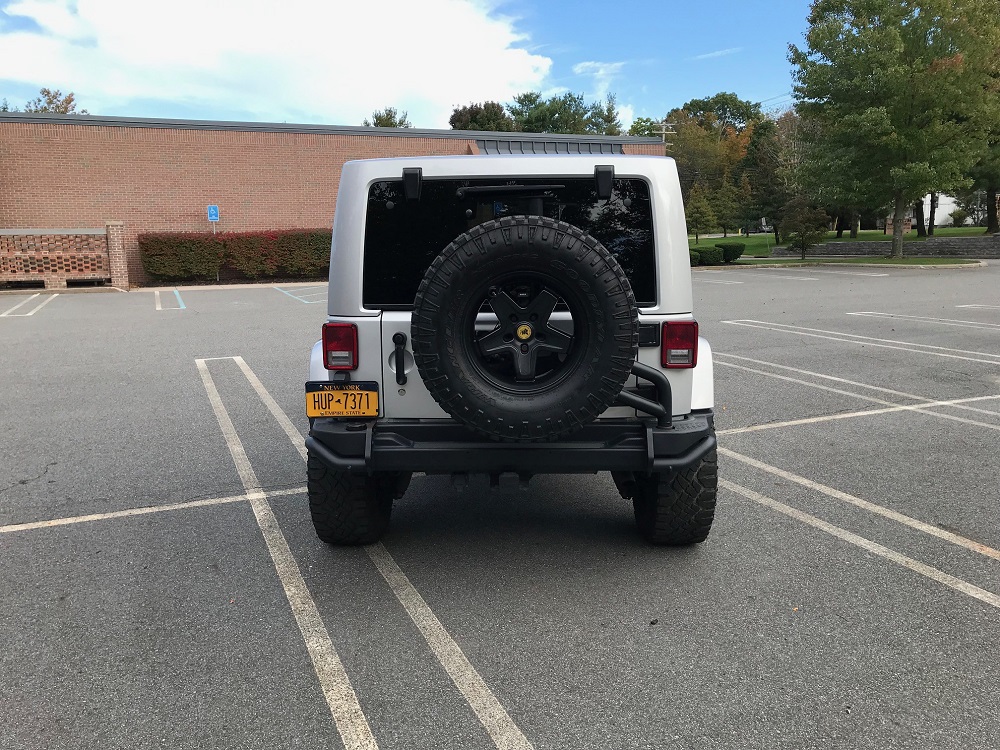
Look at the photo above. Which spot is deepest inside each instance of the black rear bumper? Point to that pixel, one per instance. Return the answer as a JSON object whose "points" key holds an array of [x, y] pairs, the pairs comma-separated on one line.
{"points": [[442, 446]]}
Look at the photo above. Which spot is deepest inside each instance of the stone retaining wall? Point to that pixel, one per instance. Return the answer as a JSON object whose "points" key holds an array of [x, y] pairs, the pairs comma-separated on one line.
{"points": [[987, 246]]}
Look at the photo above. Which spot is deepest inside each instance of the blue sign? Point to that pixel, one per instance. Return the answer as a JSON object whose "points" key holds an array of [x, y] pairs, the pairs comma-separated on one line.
{"points": [[213, 213]]}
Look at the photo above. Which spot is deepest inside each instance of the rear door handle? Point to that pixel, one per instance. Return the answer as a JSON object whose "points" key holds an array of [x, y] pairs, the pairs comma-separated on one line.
{"points": [[399, 339]]}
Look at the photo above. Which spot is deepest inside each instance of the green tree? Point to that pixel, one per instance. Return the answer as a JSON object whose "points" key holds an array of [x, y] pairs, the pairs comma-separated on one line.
{"points": [[764, 169], [697, 151], [700, 217], [986, 176], [728, 206], [564, 113], [389, 117], [488, 116], [902, 92], [645, 127], [723, 110], [802, 225], [5, 107], [53, 100], [558, 114], [603, 117]]}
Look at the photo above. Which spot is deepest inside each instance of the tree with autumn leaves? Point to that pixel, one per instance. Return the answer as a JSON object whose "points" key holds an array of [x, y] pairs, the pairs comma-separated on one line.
{"points": [[903, 98]]}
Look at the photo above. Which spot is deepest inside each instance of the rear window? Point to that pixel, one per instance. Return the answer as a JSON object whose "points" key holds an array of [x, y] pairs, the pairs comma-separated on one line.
{"points": [[403, 237]]}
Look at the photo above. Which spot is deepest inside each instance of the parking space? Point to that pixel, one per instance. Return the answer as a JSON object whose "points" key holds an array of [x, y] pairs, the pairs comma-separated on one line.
{"points": [[309, 295], [24, 306], [163, 586]]}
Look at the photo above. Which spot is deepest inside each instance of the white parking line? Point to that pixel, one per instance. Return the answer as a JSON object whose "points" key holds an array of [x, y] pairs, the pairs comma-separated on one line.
{"points": [[982, 307], [851, 338], [159, 302], [717, 281], [879, 510], [934, 574], [297, 297], [495, 720], [865, 413], [19, 304], [69, 520], [848, 273], [878, 388], [938, 321], [922, 408], [339, 693], [779, 274], [10, 313], [272, 406]]}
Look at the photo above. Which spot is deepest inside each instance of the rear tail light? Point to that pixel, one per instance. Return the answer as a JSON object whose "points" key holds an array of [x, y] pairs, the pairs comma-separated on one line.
{"points": [[679, 344], [340, 346]]}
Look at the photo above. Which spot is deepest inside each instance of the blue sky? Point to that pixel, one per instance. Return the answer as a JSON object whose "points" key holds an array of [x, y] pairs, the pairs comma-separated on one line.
{"points": [[333, 61]]}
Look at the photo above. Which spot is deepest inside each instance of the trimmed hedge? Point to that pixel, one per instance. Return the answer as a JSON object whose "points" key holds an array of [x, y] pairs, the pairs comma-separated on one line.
{"points": [[695, 258], [181, 256], [731, 250], [710, 256], [200, 256]]}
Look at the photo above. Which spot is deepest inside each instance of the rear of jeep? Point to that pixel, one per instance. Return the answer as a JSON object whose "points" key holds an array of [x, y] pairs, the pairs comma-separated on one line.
{"points": [[510, 316]]}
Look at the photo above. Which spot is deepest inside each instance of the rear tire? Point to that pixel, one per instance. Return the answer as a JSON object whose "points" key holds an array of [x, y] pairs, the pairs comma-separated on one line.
{"points": [[677, 508], [348, 509]]}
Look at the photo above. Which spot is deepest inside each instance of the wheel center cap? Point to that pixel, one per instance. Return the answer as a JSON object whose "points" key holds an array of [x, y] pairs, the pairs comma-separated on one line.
{"points": [[524, 332]]}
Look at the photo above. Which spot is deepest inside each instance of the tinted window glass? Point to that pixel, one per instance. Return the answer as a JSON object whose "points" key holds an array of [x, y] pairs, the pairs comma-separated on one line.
{"points": [[403, 237]]}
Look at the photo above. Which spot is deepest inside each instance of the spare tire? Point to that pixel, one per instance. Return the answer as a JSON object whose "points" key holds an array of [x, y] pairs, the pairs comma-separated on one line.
{"points": [[557, 329]]}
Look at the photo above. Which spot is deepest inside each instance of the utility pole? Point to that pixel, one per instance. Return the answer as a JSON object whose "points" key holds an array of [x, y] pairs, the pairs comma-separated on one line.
{"points": [[665, 129]]}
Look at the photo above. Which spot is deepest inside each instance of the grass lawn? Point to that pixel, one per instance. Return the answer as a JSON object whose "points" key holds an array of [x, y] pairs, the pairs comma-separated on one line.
{"points": [[760, 245]]}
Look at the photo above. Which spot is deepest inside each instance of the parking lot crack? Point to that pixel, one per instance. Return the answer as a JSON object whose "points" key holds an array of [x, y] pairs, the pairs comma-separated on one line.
{"points": [[29, 480]]}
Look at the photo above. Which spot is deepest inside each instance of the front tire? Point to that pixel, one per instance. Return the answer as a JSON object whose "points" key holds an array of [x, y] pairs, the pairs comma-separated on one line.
{"points": [[677, 508], [348, 509]]}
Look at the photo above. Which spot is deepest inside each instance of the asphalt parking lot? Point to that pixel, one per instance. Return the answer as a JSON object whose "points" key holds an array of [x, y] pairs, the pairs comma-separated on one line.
{"points": [[162, 585]]}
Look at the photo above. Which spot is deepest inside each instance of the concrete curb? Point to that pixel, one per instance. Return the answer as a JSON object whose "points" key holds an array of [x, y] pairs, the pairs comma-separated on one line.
{"points": [[70, 290], [216, 287]]}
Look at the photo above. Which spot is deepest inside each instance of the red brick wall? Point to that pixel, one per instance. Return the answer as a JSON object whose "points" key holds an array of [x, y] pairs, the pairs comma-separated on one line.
{"points": [[645, 149], [53, 258], [156, 179]]}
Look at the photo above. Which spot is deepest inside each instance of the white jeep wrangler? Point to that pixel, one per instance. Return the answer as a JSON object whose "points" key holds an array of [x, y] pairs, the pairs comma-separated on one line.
{"points": [[510, 316]]}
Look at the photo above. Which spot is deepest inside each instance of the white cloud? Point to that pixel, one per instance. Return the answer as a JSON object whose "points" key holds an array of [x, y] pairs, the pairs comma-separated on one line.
{"points": [[603, 73], [626, 116], [299, 60], [717, 53]]}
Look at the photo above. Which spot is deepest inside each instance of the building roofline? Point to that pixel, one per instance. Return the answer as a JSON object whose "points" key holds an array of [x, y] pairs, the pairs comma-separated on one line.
{"points": [[280, 127]]}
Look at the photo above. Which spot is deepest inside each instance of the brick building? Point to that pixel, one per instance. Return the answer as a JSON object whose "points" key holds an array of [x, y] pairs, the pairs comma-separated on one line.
{"points": [[76, 191]]}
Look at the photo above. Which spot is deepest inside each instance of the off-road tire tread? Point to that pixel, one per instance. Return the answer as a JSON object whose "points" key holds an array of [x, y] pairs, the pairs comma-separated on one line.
{"points": [[347, 509], [677, 508]]}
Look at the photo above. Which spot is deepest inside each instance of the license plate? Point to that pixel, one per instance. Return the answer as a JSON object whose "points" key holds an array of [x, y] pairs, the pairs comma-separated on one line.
{"points": [[342, 399]]}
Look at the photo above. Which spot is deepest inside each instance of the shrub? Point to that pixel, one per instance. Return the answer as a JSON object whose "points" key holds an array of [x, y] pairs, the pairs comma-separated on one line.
{"points": [[181, 257], [803, 226], [710, 256], [731, 250], [958, 217], [695, 258], [186, 256]]}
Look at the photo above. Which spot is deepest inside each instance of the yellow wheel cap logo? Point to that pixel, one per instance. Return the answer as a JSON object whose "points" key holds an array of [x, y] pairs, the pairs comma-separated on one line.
{"points": [[524, 332]]}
